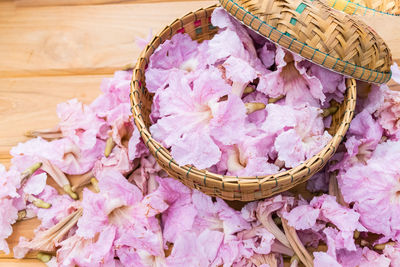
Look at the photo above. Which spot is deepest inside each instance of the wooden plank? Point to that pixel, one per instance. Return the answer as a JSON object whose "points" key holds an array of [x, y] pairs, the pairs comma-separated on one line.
{"points": [[21, 263], [67, 40], [37, 3], [23, 228], [30, 103]]}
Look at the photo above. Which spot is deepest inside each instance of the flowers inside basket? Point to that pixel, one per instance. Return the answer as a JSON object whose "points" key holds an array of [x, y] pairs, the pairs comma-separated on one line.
{"points": [[233, 114]]}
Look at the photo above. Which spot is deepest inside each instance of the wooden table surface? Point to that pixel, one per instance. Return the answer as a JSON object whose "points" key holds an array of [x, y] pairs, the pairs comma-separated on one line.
{"points": [[55, 50]]}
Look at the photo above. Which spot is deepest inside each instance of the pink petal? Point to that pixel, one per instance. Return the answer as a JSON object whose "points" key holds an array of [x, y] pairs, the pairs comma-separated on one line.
{"points": [[197, 149], [302, 217], [35, 184]]}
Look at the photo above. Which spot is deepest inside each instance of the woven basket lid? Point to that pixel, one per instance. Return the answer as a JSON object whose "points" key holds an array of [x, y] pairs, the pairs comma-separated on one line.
{"points": [[318, 33], [366, 7]]}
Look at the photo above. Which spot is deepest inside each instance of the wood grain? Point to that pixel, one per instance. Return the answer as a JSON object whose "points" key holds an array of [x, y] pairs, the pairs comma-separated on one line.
{"points": [[39, 3], [21, 263], [30, 103], [91, 39]]}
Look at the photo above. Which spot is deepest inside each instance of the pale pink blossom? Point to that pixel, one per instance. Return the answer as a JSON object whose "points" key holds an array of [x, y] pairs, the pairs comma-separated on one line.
{"points": [[79, 123], [389, 113], [8, 216], [9, 182], [115, 92], [175, 56], [374, 187], [363, 136]]}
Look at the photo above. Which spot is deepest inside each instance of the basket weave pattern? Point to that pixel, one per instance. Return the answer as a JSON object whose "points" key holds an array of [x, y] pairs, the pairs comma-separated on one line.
{"points": [[198, 26], [319, 33], [366, 7]]}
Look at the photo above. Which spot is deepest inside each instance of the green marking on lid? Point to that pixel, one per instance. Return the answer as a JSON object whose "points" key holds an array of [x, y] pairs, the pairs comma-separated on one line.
{"points": [[199, 31], [301, 8], [293, 21]]}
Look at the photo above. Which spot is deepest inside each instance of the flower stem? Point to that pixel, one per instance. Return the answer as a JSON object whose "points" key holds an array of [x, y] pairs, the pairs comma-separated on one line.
{"points": [[329, 111], [294, 261], [67, 188], [296, 244], [255, 106], [38, 202], [59, 177], [382, 246], [44, 257], [52, 133], [29, 171], [47, 240], [270, 225], [110, 144], [334, 189], [275, 99], [95, 184], [83, 181], [248, 90], [21, 215]]}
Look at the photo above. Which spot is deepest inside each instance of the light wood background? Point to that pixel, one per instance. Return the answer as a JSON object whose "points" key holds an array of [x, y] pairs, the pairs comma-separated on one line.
{"points": [[55, 50]]}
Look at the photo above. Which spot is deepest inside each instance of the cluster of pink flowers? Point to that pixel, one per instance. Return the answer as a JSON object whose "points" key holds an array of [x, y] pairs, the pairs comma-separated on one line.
{"points": [[218, 104], [126, 211]]}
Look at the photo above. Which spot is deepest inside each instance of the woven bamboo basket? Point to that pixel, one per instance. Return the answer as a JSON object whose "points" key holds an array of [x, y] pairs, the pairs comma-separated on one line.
{"points": [[318, 33], [197, 24], [366, 7]]}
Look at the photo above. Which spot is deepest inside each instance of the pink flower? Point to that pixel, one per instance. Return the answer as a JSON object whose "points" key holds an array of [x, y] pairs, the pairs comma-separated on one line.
{"points": [[267, 54], [371, 258], [63, 153], [116, 198], [8, 216], [221, 19], [175, 56], [193, 250], [337, 240], [389, 113], [9, 182], [393, 253], [319, 182], [370, 97], [117, 160], [145, 175], [36, 184], [61, 207], [257, 117], [115, 92], [249, 157], [257, 239], [79, 123], [344, 218], [291, 80], [322, 259], [305, 140], [374, 187], [363, 136], [191, 117], [96, 251], [333, 84], [302, 217]]}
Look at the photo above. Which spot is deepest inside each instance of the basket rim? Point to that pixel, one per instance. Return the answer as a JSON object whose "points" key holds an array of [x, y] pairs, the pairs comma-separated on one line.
{"points": [[231, 183], [308, 52]]}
